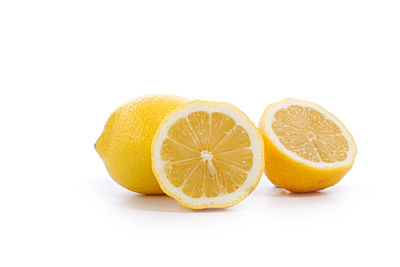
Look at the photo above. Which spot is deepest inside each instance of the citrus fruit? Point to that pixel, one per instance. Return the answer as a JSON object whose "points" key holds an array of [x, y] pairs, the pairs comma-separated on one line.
{"points": [[306, 147], [125, 144], [207, 155]]}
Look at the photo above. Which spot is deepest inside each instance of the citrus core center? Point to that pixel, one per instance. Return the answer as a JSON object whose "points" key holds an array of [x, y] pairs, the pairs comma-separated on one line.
{"points": [[205, 155], [311, 135]]}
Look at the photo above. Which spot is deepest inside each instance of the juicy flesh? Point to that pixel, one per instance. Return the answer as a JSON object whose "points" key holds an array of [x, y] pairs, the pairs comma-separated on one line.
{"points": [[310, 134], [207, 154]]}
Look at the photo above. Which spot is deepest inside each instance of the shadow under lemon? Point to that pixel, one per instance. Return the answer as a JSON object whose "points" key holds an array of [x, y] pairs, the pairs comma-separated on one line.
{"points": [[280, 192], [279, 198], [160, 203], [129, 200]]}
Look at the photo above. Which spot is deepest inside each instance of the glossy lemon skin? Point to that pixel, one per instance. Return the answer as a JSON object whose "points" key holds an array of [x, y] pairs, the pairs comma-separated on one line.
{"points": [[295, 176], [125, 144]]}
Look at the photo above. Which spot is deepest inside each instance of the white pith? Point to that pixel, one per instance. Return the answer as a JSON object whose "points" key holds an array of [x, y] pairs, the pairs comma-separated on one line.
{"points": [[269, 118], [256, 145], [205, 155]]}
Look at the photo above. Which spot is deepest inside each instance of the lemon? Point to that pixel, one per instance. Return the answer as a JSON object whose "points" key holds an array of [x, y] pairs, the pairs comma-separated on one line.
{"points": [[125, 144], [207, 155], [306, 147]]}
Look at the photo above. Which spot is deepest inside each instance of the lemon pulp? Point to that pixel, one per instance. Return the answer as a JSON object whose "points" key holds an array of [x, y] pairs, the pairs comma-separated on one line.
{"points": [[207, 154], [309, 134]]}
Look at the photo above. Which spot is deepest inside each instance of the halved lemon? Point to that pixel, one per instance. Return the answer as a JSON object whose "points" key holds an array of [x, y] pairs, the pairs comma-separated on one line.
{"points": [[207, 155], [306, 147]]}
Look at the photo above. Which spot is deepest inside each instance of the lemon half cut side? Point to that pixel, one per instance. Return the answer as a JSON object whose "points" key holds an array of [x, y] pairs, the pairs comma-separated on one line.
{"points": [[306, 147], [207, 155]]}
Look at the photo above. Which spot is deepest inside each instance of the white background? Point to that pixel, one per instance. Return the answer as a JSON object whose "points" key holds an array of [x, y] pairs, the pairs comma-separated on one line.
{"points": [[66, 65]]}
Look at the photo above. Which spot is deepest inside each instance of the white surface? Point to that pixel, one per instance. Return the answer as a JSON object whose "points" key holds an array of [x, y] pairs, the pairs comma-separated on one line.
{"points": [[66, 65]]}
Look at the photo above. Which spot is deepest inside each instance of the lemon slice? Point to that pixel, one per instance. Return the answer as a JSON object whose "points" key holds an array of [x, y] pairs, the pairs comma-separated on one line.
{"points": [[207, 155], [306, 147]]}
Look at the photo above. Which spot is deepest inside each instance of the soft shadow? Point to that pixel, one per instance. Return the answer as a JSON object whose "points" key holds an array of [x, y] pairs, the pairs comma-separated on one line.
{"points": [[106, 188], [280, 192], [156, 203], [160, 203], [280, 198]]}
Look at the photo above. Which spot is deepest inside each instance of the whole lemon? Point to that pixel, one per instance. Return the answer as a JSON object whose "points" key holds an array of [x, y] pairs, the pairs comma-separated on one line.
{"points": [[125, 144]]}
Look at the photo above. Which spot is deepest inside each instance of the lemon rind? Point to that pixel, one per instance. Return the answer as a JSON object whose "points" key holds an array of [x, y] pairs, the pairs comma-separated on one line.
{"points": [[223, 200]]}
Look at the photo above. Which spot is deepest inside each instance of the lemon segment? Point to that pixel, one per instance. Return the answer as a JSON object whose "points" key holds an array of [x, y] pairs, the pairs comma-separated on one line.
{"points": [[207, 155], [306, 147]]}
